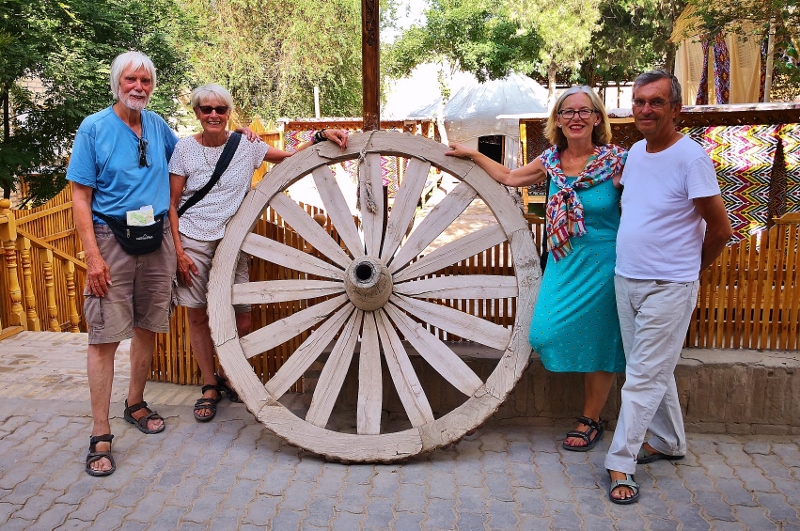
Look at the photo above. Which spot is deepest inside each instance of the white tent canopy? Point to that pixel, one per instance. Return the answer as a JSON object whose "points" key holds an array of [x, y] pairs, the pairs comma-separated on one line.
{"points": [[477, 110]]}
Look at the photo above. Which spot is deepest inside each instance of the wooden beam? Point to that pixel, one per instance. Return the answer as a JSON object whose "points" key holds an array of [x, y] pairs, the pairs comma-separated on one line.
{"points": [[370, 63]]}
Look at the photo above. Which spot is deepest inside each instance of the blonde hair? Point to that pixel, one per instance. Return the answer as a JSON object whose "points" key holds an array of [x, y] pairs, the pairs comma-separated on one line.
{"points": [[601, 133]]}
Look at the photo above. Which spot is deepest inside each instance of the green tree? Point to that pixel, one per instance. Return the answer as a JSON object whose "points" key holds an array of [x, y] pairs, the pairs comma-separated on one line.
{"points": [[632, 37], [565, 28], [55, 60], [270, 55], [477, 36]]}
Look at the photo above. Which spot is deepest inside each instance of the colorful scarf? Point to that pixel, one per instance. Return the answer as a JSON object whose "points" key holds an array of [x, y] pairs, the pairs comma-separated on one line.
{"points": [[564, 214]]}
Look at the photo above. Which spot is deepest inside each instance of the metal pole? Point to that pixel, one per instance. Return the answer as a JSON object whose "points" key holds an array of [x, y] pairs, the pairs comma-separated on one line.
{"points": [[316, 102]]}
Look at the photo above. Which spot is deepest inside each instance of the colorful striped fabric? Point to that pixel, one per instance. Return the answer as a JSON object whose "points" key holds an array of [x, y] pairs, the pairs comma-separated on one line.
{"points": [[790, 138], [743, 156]]}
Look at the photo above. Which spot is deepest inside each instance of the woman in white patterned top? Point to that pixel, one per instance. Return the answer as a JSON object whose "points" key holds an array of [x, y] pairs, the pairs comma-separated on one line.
{"points": [[202, 226]]}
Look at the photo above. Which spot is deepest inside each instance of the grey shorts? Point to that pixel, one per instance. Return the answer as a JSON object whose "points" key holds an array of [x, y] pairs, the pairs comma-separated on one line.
{"points": [[141, 294], [202, 254]]}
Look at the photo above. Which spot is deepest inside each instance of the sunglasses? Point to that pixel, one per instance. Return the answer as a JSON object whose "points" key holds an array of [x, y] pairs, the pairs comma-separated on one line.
{"points": [[143, 152], [208, 109]]}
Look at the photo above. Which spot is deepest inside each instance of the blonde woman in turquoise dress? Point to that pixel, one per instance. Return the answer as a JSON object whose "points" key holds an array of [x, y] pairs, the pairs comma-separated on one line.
{"points": [[575, 327]]}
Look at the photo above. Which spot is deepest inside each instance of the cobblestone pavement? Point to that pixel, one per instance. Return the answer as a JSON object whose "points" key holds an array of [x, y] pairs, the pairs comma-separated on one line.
{"points": [[234, 474]]}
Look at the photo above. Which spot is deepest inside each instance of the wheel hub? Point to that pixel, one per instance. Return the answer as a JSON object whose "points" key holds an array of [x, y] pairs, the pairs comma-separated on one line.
{"points": [[368, 283]]}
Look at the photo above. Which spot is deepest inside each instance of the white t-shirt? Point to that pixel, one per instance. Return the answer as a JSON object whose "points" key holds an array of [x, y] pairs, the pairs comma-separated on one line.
{"points": [[661, 232], [206, 220]]}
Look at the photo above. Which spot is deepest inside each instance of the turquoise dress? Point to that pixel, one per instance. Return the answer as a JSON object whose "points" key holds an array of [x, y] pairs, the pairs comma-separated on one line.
{"points": [[575, 326]]}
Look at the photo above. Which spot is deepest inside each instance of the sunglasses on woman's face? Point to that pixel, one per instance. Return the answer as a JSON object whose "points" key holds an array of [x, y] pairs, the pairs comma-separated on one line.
{"points": [[208, 109]]}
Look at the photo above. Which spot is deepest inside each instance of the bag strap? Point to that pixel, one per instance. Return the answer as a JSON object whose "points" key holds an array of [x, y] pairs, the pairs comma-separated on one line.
{"points": [[219, 169]]}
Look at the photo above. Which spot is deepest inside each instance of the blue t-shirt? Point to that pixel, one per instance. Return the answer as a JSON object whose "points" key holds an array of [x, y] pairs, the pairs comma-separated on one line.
{"points": [[105, 157]]}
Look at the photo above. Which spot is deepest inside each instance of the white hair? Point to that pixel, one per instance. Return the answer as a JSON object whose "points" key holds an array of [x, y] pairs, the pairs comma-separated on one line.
{"points": [[200, 94], [136, 60]]}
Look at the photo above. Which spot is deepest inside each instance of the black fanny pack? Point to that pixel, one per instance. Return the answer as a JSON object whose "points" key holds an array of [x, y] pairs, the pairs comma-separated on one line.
{"points": [[136, 240]]}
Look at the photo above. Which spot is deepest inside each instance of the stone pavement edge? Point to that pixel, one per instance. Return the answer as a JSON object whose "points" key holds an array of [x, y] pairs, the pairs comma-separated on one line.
{"points": [[232, 473]]}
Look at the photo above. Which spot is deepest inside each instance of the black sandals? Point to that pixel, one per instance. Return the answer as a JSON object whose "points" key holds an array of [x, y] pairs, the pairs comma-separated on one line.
{"points": [[141, 423], [94, 456], [207, 403], [585, 435], [222, 385]]}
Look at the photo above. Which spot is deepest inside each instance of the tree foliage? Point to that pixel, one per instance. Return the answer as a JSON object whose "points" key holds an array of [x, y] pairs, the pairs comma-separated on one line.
{"points": [[632, 36], [477, 36], [67, 47], [270, 55]]}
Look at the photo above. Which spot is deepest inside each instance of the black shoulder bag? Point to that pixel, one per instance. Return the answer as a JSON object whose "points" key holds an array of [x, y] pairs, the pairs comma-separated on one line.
{"points": [[219, 169], [543, 258]]}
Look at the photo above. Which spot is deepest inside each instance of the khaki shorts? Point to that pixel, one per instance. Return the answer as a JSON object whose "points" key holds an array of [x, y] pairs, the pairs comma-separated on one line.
{"points": [[202, 254], [141, 294]]}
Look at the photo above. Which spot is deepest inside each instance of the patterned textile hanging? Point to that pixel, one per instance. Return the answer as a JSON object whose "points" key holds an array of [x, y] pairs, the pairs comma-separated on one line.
{"points": [[722, 70], [702, 89], [790, 138]]}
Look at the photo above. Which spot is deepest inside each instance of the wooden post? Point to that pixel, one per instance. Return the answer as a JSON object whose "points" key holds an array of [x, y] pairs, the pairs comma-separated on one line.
{"points": [[74, 318], [8, 238], [32, 317], [370, 64], [46, 259]]}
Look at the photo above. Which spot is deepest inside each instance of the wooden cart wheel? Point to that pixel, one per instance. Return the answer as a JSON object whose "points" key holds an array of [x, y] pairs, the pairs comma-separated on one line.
{"points": [[370, 285]]}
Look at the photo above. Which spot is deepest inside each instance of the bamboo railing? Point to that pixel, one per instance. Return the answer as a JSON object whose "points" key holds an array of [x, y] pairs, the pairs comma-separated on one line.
{"points": [[39, 279]]}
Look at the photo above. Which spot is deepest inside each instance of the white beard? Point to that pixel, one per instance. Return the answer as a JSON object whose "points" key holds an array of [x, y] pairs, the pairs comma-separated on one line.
{"points": [[133, 104]]}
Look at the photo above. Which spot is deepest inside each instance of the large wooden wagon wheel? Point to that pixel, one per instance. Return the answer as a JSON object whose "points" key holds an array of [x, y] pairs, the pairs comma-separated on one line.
{"points": [[370, 285]]}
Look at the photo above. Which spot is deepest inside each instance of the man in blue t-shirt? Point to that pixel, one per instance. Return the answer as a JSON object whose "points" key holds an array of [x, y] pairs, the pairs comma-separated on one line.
{"points": [[118, 170]]}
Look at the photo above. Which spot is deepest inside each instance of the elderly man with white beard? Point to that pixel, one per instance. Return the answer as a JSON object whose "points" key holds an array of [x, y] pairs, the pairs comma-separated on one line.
{"points": [[120, 196]]}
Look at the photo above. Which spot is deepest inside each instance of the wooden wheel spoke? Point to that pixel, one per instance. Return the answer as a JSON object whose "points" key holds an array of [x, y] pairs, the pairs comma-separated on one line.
{"points": [[437, 354], [434, 224], [308, 229], [333, 373], [283, 330], [307, 353], [403, 375], [270, 291], [337, 209], [460, 287], [289, 257], [405, 206], [456, 322], [452, 252], [370, 380], [372, 205]]}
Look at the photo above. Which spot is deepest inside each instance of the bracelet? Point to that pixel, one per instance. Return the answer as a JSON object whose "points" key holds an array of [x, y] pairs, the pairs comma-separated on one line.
{"points": [[319, 136]]}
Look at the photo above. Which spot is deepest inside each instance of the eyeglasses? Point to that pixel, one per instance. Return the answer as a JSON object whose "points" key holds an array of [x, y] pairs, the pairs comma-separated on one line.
{"points": [[143, 152], [208, 109], [568, 114], [656, 103]]}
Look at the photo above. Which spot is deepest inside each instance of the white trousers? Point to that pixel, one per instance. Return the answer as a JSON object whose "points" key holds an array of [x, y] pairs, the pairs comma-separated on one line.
{"points": [[653, 317]]}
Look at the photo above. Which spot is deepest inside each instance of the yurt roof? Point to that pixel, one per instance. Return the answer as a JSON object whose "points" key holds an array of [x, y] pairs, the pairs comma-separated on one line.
{"points": [[475, 110]]}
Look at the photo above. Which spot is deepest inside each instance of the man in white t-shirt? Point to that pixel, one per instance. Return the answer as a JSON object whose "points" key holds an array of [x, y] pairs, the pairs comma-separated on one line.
{"points": [[673, 225]]}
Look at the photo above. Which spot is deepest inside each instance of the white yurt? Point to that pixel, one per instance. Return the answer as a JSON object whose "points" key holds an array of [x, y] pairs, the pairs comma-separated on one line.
{"points": [[474, 116]]}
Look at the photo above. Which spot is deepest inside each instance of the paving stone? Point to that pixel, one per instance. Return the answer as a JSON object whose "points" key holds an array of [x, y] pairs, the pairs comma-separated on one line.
{"points": [[778, 507], [345, 521], [757, 447], [441, 514], [379, 514], [408, 521], [297, 495], [411, 498], [384, 484], [169, 517], [501, 514], [754, 479], [321, 511], [735, 493], [262, 510], [754, 517], [530, 501], [714, 506], [354, 498], [286, 520], [442, 486], [564, 515], [413, 473], [472, 499]]}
